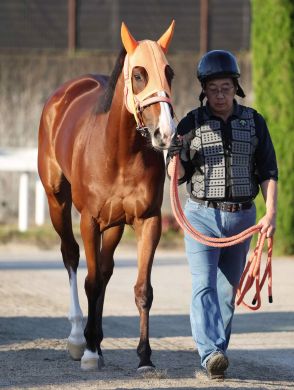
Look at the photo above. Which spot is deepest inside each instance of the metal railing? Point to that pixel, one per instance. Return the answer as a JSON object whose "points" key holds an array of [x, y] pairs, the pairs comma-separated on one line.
{"points": [[24, 161]]}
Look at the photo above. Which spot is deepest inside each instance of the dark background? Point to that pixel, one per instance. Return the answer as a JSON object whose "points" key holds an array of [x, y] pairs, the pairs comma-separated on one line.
{"points": [[39, 24]]}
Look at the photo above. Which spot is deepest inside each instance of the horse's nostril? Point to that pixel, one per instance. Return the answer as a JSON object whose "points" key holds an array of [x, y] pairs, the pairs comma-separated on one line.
{"points": [[157, 133]]}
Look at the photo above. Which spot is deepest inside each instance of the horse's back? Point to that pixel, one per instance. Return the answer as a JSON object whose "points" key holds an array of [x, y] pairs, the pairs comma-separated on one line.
{"points": [[63, 116]]}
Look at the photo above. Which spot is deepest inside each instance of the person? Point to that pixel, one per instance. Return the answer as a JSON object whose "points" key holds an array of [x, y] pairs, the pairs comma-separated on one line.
{"points": [[226, 154]]}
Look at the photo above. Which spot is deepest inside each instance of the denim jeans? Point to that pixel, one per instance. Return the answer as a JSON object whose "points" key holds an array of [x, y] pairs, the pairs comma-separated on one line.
{"points": [[215, 275]]}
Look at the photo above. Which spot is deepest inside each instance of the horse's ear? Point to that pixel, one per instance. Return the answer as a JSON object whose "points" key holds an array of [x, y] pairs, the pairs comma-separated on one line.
{"points": [[128, 40], [165, 39]]}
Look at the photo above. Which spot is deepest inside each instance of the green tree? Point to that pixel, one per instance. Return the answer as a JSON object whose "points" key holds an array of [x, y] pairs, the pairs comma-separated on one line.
{"points": [[273, 85]]}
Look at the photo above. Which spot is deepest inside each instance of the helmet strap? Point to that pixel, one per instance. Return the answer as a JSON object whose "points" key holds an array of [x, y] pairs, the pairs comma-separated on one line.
{"points": [[202, 97], [240, 91]]}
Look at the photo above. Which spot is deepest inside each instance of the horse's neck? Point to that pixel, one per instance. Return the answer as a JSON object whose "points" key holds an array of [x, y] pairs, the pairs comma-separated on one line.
{"points": [[121, 125]]}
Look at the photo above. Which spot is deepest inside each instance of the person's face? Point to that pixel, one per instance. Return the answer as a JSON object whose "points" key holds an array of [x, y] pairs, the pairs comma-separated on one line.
{"points": [[220, 94]]}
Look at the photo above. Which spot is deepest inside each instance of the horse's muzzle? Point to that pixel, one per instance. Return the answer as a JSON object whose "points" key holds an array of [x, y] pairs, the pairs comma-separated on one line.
{"points": [[160, 141]]}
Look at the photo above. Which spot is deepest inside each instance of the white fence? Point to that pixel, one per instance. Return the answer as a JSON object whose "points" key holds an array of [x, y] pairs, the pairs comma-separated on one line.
{"points": [[24, 161]]}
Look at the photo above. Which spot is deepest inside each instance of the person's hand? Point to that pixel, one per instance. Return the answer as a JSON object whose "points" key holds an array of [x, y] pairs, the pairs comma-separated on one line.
{"points": [[175, 146], [268, 224]]}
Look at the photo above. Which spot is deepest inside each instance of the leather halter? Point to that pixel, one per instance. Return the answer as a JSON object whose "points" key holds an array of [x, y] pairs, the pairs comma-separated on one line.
{"points": [[157, 85], [140, 106]]}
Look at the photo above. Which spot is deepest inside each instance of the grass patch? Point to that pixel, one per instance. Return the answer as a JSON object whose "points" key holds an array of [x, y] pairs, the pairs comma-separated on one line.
{"points": [[45, 237]]}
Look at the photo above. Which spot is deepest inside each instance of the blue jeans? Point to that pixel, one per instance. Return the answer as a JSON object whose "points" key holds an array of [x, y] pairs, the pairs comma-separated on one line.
{"points": [[215, 275]]}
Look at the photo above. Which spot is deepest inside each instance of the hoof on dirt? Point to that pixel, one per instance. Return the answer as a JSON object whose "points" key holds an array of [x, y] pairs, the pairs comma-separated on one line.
{"points": [[75, 351], [91, 361], [145, 369]]}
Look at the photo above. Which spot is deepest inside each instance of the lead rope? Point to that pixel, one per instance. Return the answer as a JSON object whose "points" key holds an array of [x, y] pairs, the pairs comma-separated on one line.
{"points": [[252, 269]]}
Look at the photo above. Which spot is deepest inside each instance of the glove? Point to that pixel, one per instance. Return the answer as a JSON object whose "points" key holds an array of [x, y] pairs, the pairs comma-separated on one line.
{"points": [[175, 146]]}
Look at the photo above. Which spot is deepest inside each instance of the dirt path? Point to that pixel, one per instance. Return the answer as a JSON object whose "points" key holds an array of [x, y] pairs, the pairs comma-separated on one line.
{"points": [[33, 329]]}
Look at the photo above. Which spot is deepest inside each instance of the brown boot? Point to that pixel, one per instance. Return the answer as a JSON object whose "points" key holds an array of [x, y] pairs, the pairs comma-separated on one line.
{"points": [[216, 366]]}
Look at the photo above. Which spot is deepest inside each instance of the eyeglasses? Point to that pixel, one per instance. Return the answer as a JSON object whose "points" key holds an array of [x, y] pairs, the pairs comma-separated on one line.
{"points": [[223, 90]]}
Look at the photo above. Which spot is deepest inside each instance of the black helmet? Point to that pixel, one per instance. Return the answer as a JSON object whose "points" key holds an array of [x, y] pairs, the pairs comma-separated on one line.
{"points": [[216, 64]]}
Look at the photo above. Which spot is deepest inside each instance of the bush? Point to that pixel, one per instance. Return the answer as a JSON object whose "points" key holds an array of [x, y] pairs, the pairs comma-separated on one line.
{"points": [[273, 81]]}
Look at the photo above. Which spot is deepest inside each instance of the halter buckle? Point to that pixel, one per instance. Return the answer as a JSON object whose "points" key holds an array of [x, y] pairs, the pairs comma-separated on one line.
{"points": [[143, 130]]}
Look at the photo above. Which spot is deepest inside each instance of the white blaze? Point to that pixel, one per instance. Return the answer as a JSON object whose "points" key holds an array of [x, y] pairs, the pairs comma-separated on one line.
{"points": [[166, 123]]}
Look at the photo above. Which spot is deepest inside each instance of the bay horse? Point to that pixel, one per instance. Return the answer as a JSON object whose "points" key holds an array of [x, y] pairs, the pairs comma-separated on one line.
{"points": [[101, 142]]}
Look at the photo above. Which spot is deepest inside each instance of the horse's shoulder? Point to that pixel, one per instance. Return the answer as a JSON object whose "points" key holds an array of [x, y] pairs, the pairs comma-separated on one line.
{"points": [[89, 85]]}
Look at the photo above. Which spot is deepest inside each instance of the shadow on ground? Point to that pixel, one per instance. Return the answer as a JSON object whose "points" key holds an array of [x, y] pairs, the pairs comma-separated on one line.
{"points": [[57, 264], [116, 326], [38, 365], [34, 364]]}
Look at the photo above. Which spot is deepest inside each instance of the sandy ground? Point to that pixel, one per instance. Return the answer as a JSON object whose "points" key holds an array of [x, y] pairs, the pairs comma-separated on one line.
{"points": [[33, 328]]}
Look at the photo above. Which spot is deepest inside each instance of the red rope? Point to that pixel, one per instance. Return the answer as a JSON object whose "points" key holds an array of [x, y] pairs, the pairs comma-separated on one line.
{"points": [[252, 269]]}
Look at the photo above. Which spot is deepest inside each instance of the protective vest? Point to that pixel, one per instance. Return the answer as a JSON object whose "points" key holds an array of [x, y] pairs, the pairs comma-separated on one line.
{"points": [[224, 163]]}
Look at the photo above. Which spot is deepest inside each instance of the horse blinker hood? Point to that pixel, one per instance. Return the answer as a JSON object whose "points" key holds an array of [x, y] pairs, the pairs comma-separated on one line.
{"points": [[149, 55]]}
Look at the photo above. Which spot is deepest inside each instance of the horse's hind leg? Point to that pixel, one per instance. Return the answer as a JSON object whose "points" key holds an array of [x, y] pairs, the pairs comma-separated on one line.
{"points": [[60, 202]]}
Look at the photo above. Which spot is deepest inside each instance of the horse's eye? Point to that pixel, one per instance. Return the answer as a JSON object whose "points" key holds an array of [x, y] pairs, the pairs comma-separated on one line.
{"points": [[137, 77]]}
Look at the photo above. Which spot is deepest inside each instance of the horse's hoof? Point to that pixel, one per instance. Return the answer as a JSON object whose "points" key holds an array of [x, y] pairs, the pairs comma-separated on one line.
{"points": [[75, 351], [91, 361], [145, 369]]}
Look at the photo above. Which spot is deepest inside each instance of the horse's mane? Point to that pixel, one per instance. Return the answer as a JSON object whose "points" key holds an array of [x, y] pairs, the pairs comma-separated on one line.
{"points": [[107, 100]]}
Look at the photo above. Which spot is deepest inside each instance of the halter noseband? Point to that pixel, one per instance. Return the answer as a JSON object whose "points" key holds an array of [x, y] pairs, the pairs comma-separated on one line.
{"points": [[141, 105]]}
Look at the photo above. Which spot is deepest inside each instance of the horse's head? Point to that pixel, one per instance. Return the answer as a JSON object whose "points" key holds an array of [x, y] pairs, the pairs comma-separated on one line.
{"points": [[148, 79]]}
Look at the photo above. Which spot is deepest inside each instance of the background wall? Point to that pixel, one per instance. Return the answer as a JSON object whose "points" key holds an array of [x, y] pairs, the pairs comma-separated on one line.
{"points": [[44, 43], [27, 80]]}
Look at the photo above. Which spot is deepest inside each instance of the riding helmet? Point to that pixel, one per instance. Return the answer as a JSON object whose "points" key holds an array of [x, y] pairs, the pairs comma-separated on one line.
{"points": [[218, 64]]}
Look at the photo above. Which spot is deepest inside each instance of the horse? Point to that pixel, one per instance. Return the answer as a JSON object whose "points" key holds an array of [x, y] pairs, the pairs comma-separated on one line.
{"points": [[100, 147]]}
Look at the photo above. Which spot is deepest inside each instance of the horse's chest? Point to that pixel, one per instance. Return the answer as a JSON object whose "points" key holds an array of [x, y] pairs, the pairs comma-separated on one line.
{"points": [[130, 201]]}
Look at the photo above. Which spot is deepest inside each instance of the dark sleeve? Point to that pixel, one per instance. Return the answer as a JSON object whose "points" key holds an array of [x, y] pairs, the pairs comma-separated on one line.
{"points": [[265, 156], [184, 128]]}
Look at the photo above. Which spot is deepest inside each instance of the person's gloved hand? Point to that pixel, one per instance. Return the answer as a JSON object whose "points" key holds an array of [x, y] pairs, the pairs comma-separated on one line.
{"points": [[175, 146]]}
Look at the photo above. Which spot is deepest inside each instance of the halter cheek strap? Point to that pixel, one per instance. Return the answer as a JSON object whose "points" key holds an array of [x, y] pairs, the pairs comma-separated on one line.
{"points": [[128, 91]]}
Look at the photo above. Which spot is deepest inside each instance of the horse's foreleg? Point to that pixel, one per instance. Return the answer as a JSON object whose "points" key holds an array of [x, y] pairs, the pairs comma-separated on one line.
{"points": [[76, 340], [110, 239], [92, 357], [148, 232]]}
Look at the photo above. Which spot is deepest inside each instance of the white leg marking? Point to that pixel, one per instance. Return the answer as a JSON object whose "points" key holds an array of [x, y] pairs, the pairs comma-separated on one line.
{"points": [[76, 339], [91, 361]]}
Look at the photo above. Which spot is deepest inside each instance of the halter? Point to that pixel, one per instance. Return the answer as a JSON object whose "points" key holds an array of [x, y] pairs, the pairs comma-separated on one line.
{"points": [[150, 56], [139, 108]]}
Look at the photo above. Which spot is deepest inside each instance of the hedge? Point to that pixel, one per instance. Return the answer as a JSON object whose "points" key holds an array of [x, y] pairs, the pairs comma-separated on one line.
{"points": [[273, 85]]}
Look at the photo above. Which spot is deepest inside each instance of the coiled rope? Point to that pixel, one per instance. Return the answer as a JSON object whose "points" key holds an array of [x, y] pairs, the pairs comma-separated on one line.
{"points": [[252, 270]]}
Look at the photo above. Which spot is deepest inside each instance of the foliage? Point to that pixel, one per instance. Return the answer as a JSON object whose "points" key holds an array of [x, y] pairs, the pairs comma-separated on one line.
{"points": [[273, 81]]}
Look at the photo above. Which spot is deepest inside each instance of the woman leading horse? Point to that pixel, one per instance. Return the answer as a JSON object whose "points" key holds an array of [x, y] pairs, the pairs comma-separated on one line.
{"points": [[100, 147]]}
